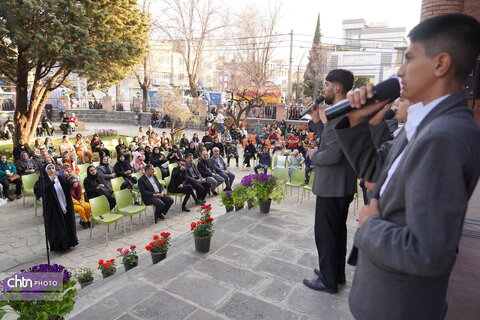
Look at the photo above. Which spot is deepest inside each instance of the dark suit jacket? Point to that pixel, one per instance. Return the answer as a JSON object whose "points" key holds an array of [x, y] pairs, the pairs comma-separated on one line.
{"points": [[407, 253], [146, 188], [334, 176]]}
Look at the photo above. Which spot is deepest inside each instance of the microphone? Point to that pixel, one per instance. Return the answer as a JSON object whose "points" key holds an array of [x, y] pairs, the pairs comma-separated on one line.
{"points": [[388, 89], [317, 101]]}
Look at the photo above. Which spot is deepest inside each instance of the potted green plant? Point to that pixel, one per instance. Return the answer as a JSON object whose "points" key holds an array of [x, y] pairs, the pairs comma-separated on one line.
{"points": [[49, 301], [129, 257], [84, 276], [107, 267], [227, 200], [203, 229], [240, 196], [247, 182], [159, 246], [266, 188]]}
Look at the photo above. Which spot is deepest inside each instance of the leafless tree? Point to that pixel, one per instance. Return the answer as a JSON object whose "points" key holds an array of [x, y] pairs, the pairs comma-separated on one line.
{"points": [[189, 24], [255, 39]]}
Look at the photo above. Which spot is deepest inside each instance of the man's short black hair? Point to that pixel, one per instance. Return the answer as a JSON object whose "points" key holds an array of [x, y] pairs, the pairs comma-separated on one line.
{"points": [[342, 77], [456, 34]]}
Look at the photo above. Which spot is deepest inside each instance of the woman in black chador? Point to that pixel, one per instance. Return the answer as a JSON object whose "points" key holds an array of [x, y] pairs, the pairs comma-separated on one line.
{"points": [[95, 186], [59, 214]]}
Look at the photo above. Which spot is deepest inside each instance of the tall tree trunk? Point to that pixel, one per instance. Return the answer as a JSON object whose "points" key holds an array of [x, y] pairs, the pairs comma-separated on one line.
{"points": [[193, 87], [145, 98], [22, 129]]}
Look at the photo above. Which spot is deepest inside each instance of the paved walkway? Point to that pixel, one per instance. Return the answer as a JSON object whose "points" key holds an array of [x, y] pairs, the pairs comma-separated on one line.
{"points": [[254, 270]]}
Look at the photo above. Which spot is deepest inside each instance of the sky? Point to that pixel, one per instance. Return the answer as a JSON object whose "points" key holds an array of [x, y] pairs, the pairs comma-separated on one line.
{"points": [[301, 16]]}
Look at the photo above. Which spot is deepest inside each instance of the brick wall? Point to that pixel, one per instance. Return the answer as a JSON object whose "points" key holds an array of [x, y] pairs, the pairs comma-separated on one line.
{"points": [[431, 8]]}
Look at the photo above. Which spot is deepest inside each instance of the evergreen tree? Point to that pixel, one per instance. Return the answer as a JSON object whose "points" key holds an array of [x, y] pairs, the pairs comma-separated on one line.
{"points": [[313, 77], [42, 42]]}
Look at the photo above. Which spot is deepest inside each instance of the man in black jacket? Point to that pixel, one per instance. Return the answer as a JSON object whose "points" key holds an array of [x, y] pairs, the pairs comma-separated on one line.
{"points": [[153, 194], [198, 182], [207, 170]]}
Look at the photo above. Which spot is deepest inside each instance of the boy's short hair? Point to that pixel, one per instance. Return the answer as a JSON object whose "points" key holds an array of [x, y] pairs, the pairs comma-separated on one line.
{"points": [[342, 77], [456, 34]]}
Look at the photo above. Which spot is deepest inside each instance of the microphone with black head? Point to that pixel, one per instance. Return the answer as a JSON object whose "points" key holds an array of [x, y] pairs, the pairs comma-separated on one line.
{"points": [[385, 90], [314, 104]]}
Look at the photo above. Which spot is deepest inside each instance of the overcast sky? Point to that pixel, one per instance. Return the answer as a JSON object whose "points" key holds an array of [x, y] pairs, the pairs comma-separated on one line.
{"points": [[301, 16]]}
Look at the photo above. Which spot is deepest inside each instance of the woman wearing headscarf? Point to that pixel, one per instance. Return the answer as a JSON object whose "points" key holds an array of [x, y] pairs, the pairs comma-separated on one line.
{"points": [[97, 146], [96, 186], [106, 171], [58, 210], [25, 165], [123, 168], [47, 125], [139, 164], [8, 174], [157, 159], [191, 149], [122, 148], [79, 203]]}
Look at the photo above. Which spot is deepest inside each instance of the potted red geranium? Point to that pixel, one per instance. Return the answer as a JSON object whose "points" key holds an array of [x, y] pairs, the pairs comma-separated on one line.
{"points": [[107, 267], [159, 246], [203, 229]]}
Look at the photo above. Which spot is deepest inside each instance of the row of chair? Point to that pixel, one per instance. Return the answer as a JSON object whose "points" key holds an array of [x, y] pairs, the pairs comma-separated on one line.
{"points": [[297, 180]]}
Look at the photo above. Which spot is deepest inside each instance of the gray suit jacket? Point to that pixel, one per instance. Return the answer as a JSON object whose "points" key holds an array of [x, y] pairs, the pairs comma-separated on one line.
{"points": [[407, 253], [334, 176]]}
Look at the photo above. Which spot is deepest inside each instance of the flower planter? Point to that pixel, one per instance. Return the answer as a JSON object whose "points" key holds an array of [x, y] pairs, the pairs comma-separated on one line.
{"points": [[265, 206], [108, 273], [84, 284], [129, 266], [202, 244], [250, 204], [229, 209], [240, 207], [157, 257]]}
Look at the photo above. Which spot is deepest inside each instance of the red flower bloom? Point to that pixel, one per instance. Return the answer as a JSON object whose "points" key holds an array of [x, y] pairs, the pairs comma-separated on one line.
{"points": [[202, 222], [210, 218], [152, 244], [148, 248], [156, 237], [165, 234], [100, 262], [111, 260], [193, 225]]}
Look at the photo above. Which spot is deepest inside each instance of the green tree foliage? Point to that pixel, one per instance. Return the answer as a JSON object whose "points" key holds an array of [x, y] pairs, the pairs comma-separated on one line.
{"points": [[43, 41], [316, 67]]}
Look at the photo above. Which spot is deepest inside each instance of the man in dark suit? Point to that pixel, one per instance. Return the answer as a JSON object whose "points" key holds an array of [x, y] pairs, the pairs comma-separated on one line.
{"points": [[334, 185], [152, 193], [196, 180], [409, 232]]}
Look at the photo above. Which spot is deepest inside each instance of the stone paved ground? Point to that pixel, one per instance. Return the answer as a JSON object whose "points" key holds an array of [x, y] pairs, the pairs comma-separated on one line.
{"points": [[254, 270]]}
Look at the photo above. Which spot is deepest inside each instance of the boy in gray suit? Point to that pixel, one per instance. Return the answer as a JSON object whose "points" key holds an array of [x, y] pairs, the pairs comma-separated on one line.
{"points": [[409, 232]]}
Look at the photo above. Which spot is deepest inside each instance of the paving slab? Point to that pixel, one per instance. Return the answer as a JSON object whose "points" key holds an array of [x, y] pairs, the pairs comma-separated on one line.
{"points": [[163, 305]]}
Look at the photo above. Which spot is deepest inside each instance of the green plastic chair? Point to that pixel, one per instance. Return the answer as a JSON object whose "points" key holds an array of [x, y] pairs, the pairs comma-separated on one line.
{"points": [[309, 186], [117, 183], [82, 178], [280, 174], [165, 153], [137, 175], [158, 174], [101, 214], [126, 207], [83, 167], [95, 163], [28, 181], [128, 140], [171, 166], [297, 181]]}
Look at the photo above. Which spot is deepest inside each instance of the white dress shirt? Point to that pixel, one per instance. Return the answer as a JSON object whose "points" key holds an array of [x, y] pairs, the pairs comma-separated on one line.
{"points": [[152, 182], [416, 114]]}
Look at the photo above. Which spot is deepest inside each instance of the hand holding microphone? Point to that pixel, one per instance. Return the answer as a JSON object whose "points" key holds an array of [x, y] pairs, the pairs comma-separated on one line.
{"points": [[364, 101]]}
